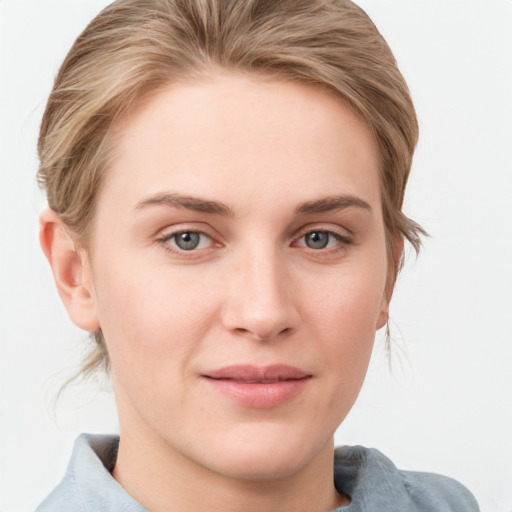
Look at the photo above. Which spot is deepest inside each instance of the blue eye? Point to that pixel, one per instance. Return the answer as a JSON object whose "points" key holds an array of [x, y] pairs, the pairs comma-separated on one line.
{"points": [[317, 239], [187, 241], [321, 239]]}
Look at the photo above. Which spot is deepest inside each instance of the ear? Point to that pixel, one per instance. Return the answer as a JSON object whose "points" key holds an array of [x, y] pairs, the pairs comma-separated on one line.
{"points": [[396, 254], [70, 270]]}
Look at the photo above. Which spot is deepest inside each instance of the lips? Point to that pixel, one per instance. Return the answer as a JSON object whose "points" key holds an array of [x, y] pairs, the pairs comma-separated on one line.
{"points": [[259, 387]]}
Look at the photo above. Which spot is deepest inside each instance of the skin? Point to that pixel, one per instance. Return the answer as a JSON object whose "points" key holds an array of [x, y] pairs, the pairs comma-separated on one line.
{"points": [[252, 292]]}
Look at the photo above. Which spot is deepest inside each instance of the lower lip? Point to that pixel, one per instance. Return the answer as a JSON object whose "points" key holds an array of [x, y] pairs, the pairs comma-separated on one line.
{"points": [[259, 395]]}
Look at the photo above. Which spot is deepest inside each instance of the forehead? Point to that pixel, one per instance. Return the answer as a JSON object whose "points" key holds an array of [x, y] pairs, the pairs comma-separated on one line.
{"points": [[242, 133]]}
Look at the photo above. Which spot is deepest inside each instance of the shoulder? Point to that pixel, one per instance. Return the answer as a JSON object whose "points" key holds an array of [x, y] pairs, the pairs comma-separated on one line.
{"points": [[372, 480], [88, 485], [67, 496], [64, 498], [433, 489]]}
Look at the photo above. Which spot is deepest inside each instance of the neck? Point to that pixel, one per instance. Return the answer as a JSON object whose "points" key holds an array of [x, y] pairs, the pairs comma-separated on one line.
{"points": [[161, 479]]}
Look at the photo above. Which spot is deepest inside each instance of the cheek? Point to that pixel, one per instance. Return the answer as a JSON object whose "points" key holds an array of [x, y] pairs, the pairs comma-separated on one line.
{"points": [[351, 301], [340, 323], [344, 316], [151, 318]]}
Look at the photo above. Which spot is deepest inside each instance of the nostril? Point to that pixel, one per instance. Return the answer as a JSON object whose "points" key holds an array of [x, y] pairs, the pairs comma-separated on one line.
{"points": [[262, 336]]}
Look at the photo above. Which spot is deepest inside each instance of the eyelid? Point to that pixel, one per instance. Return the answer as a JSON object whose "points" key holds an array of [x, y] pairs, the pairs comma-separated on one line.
{"points": [[343, 233], [171, 231], [186, 227], [343, 242]]}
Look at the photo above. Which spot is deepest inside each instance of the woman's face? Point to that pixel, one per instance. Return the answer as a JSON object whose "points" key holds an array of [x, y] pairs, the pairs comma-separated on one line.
{"points": [[238, 271]]}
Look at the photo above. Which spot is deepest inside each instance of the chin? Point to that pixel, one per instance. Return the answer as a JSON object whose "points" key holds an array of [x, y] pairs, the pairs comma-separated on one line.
{"points": [[266, 467], [265, 455]]}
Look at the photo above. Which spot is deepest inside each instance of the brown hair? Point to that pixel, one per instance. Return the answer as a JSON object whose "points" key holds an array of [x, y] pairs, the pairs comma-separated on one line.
{"points": [[135, 47]]}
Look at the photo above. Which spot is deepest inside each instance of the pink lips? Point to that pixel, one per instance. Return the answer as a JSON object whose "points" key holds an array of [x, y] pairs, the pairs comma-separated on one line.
{"points": [[259, 387]]}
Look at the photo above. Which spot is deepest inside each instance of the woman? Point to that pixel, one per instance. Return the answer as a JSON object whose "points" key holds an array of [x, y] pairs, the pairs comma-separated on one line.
{"points": [[225, 182]]}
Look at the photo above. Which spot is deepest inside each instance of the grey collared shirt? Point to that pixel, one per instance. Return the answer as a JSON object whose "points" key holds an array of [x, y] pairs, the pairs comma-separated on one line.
{"points": [[370, 479]]}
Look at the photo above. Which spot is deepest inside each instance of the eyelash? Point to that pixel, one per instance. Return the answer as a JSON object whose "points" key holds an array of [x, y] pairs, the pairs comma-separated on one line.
{"points": [[343, 242], [342, 239], [167, 238]]}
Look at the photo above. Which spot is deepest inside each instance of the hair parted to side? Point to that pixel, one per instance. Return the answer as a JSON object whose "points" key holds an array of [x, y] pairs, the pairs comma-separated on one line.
{"points": [[135, 47]]}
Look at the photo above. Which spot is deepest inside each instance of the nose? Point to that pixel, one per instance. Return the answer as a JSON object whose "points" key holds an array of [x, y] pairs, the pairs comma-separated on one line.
{"points": [[262, 300]]}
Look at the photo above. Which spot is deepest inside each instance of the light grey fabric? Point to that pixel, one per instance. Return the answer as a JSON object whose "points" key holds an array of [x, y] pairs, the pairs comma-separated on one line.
{"points": [[375, 485], [371, 480], [88, 485]]}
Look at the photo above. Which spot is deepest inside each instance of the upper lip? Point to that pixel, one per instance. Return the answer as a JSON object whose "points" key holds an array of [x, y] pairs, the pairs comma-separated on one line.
{"points": [[257, 374]]}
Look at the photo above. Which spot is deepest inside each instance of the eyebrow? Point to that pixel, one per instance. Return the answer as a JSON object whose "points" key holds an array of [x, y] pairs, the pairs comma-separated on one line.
{"points": [[324, 204], [331, 203], [188, 202]]}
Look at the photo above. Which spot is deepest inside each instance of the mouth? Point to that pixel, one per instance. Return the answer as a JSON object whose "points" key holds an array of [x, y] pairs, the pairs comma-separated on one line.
{"points": [[259, 387]]}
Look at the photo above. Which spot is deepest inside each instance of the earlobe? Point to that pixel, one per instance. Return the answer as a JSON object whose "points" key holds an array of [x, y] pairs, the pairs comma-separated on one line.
{"points": [[396, 255], [69, 271], [382, 319]]}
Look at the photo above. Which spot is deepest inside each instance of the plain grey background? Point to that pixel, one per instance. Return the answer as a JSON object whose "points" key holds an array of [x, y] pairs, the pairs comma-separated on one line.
{"points": [[446, 406]]}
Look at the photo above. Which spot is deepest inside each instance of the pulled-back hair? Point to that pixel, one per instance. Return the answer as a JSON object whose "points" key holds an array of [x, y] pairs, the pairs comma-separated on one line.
{"points": [[133, 48]]}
